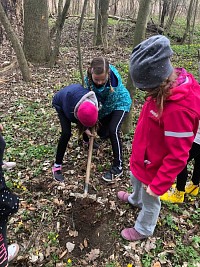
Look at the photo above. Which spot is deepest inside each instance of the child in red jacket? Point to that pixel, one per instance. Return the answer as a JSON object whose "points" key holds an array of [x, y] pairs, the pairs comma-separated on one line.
{"points": [[165, 130]]}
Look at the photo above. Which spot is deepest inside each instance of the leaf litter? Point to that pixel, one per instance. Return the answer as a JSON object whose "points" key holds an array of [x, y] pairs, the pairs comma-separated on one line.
{"points": [[52, 227]]}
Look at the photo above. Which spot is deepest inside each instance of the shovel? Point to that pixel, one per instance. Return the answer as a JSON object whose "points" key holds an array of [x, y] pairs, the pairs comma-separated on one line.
{"points": [[87, 178]]}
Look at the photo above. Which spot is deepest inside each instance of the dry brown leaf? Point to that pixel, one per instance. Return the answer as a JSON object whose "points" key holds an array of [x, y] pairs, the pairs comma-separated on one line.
{"points": [[81, 246], [156, 264], [63, 254], [58, 202], [93, 254], [47, 254], [112, 205], [85, 243], [31, 208], [73, 233]]}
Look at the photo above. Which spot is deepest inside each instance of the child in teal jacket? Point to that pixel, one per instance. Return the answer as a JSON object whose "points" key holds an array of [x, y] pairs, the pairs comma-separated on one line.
{"points": [[115, 103]]}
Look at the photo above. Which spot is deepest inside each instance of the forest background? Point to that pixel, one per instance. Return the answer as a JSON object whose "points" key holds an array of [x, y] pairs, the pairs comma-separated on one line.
{"points": [[46, 45]]}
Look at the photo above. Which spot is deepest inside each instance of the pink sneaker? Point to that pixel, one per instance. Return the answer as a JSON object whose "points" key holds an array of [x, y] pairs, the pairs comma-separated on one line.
{"points": [[131, 234], [123, 196], [57, 174]]}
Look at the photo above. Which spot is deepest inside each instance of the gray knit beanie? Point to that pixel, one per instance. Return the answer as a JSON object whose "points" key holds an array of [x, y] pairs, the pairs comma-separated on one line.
{"points": [[150, 62]]}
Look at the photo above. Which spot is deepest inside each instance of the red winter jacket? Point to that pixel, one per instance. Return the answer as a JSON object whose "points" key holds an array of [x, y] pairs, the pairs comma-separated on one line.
{"points": [[160, 146]]}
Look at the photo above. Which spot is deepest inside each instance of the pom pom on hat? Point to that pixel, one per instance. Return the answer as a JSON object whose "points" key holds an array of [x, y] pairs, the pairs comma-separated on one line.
{"points": [[87, 114], [150, 62]]}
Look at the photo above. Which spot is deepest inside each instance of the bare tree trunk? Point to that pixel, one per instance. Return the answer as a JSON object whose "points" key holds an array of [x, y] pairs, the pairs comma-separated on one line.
{"points": [[96, 21], [90, 8], [189, 16], [141, 23], [36, 31], [79, 41], [62, 12], [194, 20], [101, 37], [23, 65], [113, 7], [76, 6], [139, 34], [172, 14], [55, 7], [165, 11]]}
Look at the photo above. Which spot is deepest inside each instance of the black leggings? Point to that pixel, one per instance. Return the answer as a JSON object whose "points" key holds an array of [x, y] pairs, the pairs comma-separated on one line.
{"points": [[110, 127], [66, 133], [3, 244], [3, 230], [2, 148], [64, 137], [182, 177]]}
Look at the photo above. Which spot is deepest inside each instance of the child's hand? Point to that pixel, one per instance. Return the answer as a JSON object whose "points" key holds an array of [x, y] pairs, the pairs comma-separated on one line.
{"points": [[150, 192], [89, 134], [1, 127]]}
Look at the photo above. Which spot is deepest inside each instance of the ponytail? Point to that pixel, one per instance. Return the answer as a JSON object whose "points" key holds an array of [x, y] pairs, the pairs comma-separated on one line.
{"points": [[161, 93]]}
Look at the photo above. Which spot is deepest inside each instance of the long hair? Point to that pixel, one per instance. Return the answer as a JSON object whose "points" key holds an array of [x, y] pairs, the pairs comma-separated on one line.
{"points": [[98, 66], [161, 93]]}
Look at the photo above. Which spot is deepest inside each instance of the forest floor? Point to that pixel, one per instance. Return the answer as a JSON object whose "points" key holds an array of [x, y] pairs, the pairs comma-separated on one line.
{"points": [[52, 227]]}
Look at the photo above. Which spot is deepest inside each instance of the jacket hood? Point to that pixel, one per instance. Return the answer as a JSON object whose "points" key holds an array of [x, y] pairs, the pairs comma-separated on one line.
{"points": [[183, 94]]}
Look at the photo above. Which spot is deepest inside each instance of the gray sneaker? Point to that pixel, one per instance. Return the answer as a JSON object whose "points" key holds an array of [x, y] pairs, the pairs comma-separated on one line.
{"points": [[114, 172], [57, 174]]}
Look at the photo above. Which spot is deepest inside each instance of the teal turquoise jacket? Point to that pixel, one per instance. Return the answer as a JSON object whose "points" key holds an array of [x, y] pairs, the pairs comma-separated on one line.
{"points": [[109, 101]]}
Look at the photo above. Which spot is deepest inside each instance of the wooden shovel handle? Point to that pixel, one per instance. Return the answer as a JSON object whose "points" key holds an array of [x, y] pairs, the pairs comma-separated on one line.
{"points": [[87, 178]]}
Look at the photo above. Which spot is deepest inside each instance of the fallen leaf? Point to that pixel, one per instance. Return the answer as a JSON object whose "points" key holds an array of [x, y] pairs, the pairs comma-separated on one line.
{"points": [[31, 208], [70, 246], [157, 264], [73, 233], [33, 258], [112, 205], [85, 243], [58, 202], [81, 246], [63, 254], [93, 254]]}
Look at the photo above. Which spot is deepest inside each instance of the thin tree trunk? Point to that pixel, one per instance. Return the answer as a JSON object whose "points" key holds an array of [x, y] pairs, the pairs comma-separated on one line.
{"points": [[194, 20], [189, 16], [139, 34], [55, 7], [141, 23], [172, 14], [23, 65], [104, 10], [96, 21], [79, 41], [101, 37], [165, 10], [59, 26]]}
